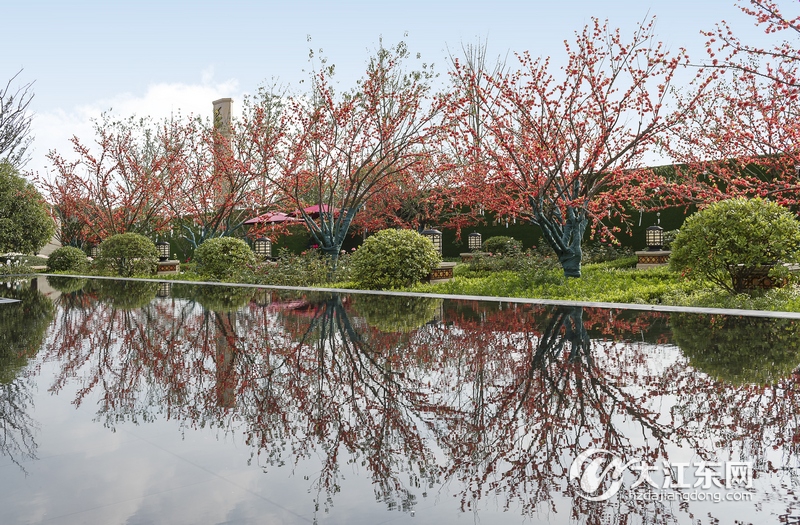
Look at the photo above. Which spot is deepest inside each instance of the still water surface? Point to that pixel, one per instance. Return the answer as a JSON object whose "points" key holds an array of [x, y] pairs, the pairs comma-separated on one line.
{"points": [[139, 403]]}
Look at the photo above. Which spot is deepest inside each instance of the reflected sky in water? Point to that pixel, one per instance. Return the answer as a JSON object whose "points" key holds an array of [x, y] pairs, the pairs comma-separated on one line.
{"points": [[131, 402]]}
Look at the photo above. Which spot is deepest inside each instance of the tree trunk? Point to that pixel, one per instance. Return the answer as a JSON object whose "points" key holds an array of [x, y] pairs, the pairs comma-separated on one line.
{"points": [[565, 240], [330, 235]]}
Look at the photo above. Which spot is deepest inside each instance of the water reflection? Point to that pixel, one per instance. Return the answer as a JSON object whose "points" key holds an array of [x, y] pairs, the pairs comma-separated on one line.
{"points": [[480, 400], [740, 351], [22, 330]]}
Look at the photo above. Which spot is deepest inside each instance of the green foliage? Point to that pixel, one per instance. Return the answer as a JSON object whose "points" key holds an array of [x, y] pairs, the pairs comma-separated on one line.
{"points": [[502, 245], [67, 285], [224, 258], [669, 238], [785, 299], [23, 326], [125, 295], [67, 259], [127, 254], [25, 224], [482, 265], [307, 269], [222, 298], [393, 259], [739, 350], [730, 237], [14, 265], [599, 253], [27, 260], [600, 282], [390, 313]]}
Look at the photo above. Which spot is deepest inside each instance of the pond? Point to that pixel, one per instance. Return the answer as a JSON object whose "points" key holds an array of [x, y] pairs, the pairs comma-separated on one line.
{"points": [[139, 402]]}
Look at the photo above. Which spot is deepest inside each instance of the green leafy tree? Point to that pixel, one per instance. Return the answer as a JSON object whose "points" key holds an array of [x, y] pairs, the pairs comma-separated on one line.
{"points": [[25, 224], [729, 238]]}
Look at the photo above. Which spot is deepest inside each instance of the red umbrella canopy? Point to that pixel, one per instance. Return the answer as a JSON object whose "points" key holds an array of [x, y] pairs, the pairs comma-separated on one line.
{"points": [[271, 218], [314, 210]]}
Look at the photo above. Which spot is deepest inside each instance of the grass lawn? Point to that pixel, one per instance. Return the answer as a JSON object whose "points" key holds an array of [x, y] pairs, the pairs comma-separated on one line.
{"points": [[615, 282]]}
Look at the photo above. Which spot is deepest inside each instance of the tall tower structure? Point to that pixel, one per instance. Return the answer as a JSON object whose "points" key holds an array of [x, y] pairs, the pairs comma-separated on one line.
{"points": [[222, 116]]}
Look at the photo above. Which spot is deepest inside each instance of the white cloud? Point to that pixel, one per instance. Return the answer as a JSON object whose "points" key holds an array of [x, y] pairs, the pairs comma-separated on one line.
{"points": [[52, 130]]}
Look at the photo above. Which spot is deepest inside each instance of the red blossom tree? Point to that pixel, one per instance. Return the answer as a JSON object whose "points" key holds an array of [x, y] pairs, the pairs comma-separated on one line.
{"points": [[740, 138], [117, 187], [565, 148], [211, 187], [343, 149], [777, 63]]}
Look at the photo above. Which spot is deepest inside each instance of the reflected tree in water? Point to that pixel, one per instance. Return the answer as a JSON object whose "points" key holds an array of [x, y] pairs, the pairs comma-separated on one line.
{"points": [[745, 394], [22, 330], [487, 401]]}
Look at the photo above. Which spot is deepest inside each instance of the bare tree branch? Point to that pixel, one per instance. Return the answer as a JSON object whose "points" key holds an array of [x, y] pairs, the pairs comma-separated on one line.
{"points": [[15, 122]]}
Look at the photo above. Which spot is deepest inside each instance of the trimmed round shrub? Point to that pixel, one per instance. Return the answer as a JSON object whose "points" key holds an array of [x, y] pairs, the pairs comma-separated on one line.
{"points": [[502, 245], [223, 257], [731, 237], [67, 259], [127, 254], [393, 259]]}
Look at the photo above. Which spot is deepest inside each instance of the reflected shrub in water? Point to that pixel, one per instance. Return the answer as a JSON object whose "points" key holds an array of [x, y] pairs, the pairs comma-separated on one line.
{"points": [[396, 314], [127, 254], [126, 295], [67, 284], [222, 298], [67, 259], [739, 350]]}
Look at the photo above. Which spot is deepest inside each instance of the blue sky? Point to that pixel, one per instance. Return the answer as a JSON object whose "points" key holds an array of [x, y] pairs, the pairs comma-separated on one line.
{"points": [[153, 58]]}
